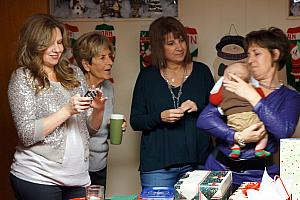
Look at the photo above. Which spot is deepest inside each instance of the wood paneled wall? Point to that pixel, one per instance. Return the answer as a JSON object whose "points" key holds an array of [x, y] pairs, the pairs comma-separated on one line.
{"points": [[13, 14]]}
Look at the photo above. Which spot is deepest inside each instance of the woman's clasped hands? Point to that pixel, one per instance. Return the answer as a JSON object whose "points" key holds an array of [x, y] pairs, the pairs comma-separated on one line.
{"points": [[175, 114]]}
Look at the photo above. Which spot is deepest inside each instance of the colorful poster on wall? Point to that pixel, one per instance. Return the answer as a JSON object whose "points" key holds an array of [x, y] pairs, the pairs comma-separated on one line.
{"points": [[145, 51], [108, 31], [293, 65], [73, 33], [192, 35], [145, 48], [112, 9]]}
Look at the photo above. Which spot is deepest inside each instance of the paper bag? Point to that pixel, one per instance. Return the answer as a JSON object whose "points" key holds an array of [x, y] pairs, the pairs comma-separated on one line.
{"points": [[275, 189]]}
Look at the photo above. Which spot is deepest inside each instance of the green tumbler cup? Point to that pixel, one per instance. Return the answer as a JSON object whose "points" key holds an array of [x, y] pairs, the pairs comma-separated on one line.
{"points": [[115, 131]]}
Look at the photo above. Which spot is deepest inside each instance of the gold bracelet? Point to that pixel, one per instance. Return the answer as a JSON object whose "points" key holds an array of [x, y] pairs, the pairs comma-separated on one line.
{"points": [[240, 141]]}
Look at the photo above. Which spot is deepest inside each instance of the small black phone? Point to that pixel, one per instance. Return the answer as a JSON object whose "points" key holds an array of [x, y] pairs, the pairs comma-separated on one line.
{"points": [[91, 93]]}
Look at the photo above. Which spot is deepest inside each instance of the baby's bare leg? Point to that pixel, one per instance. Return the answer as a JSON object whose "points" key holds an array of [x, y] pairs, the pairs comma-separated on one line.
{"points": [[262, 143], [260, 146]]}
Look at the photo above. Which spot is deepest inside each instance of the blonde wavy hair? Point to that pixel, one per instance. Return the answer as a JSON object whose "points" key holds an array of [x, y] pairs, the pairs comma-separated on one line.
{"points": [[35, 37]]}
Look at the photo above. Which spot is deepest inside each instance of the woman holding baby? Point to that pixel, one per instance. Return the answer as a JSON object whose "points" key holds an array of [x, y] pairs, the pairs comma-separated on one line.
{"points": [[268, 51]]}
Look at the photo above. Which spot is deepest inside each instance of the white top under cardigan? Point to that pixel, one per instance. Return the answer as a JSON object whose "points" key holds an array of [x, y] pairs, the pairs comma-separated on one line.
{"points": [[73, 171]]}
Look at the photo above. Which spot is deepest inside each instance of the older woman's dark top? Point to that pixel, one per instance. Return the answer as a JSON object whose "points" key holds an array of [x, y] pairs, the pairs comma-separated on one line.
{"points": [[279, 112], [167, 144]]}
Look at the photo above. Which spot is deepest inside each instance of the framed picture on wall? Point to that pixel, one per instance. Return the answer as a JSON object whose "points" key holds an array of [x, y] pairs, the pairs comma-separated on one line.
{"points": [[293, 9], [112, 9]]}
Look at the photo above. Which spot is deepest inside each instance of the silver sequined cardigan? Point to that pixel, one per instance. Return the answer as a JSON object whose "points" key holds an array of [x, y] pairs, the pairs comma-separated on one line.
{"points": [[27, 109]]}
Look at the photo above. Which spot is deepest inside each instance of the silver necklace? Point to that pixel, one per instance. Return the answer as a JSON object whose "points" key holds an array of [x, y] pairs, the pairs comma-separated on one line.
{"points": [[175, 98], [270, 87]]}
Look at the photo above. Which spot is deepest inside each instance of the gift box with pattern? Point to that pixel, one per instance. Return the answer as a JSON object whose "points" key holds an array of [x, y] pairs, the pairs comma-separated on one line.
{"points": [[204, 185], [289, 163]]}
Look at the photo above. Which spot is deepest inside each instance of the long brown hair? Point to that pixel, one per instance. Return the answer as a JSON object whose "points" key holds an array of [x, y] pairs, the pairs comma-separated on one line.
{"points": [[158, 29], [35, 37]]}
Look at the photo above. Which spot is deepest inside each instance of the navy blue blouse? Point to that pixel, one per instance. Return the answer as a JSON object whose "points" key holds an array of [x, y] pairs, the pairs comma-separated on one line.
{"points": [[166, 144]]}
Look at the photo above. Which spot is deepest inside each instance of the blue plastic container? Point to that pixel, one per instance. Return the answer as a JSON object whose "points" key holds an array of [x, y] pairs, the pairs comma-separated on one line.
{"points": [[157, 193]]}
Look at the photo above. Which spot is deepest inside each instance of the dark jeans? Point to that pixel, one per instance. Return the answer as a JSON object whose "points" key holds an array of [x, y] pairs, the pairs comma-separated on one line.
{"points": [[99, 177], [25, 190]]}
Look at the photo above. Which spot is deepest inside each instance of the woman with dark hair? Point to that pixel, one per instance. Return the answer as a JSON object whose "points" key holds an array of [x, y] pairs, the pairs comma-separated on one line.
{"points": [[49, 111], [167, 98], [279, 111]]}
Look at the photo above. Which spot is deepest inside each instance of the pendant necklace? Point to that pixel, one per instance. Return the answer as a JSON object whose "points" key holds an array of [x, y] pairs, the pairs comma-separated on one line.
{"points": [[175, 98]]}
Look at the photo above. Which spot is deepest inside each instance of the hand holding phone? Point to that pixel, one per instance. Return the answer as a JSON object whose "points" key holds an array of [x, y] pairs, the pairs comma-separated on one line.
{"points": [[91, 93]]}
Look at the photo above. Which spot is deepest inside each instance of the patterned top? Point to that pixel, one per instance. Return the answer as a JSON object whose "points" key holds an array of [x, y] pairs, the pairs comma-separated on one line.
{"points": [[28, 109]]}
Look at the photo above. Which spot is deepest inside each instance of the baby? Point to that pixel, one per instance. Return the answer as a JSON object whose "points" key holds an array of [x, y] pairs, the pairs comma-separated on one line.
{"points": [[238, 110]]}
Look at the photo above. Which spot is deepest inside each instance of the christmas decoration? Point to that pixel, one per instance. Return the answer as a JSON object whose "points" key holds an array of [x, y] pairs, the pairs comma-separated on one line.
{"points": [[155, 8], [73, 33], [135, 8], [295, 9], [205, 185], [77, 7], [108, 31], [192, 35], [230, 49], [145, 51], [293, 65], [110, 8]]}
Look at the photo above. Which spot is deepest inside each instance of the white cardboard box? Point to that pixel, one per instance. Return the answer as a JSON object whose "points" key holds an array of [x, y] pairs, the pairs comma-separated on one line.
{"points": [[290, 163]]}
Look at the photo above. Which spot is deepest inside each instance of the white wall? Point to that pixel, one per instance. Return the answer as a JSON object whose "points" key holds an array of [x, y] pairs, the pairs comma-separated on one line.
{"points": [[212, 20]]}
